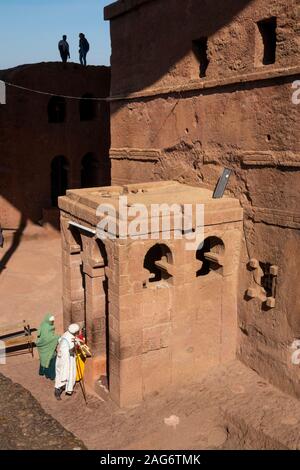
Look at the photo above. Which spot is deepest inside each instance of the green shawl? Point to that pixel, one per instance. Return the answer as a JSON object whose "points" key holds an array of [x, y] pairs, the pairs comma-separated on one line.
{"points": [[47, 341]]}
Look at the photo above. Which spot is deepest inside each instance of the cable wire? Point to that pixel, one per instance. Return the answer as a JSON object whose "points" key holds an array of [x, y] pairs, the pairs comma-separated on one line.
{"points": [[53, 94]]}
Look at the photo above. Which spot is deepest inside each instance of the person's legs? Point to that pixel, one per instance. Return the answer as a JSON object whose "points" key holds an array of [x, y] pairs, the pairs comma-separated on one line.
{"points": [[50, 372], [84, 58], [81, 57], [58, 392], [72, 376]]}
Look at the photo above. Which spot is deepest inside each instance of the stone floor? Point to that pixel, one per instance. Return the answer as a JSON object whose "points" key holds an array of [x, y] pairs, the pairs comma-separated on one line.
{"points": [[232, 408]]}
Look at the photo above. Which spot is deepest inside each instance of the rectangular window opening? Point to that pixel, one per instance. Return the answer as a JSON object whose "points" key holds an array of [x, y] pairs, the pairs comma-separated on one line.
{"points": [[200, 50], [268, 40], [267, 279]]}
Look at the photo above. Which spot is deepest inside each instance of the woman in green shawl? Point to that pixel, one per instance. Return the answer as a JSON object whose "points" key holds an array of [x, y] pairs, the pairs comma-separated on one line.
{"points": [[46, 344]]}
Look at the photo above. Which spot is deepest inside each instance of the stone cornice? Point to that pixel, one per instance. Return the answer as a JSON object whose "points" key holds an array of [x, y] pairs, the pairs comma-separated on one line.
{"points": [[276, 217], [135, 154], [271, 159], [207, 84]]}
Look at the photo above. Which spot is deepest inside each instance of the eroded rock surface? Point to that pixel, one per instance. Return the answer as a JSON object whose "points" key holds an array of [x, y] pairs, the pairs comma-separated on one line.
{"points": [[25, 425]]}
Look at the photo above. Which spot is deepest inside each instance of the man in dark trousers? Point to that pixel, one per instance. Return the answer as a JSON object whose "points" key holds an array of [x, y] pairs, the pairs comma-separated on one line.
{"points": [[84, 48], [63, 47]]}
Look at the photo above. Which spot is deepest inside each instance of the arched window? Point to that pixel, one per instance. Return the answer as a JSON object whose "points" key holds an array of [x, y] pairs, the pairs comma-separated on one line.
{"points": [[59, 178], [211, 256], [89, 171], [157, 261], [56, 109], [87, 108]]}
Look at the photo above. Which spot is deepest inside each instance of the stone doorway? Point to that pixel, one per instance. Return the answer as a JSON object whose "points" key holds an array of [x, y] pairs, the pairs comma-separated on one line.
{"points": [[85, 294]]}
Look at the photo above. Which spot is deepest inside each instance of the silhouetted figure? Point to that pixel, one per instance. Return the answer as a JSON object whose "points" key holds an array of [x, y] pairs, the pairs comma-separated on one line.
{"points": [[84, 48], [63, 47], [1, 238]]}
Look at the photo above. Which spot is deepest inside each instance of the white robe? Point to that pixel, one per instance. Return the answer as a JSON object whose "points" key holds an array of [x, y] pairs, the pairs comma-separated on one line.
{"points": [[66, 363]]}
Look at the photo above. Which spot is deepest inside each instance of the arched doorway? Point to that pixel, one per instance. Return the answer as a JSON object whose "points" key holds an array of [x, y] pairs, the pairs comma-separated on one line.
{"points": [[59, 178], [89, 171]]}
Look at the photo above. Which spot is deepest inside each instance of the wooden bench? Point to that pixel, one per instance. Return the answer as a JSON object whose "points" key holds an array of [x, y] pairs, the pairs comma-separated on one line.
{"points": [[18, 334]]}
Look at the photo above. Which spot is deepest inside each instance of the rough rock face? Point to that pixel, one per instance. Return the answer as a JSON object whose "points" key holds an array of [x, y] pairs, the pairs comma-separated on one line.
{"points": [[24, 425], [170, 123], [164, 55], [47, 146]]}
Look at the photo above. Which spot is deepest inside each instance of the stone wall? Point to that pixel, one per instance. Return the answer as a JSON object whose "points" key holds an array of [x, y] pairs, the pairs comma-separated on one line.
{"points": [[173, 331], [29, 142], [168, 123], [168, 30]]}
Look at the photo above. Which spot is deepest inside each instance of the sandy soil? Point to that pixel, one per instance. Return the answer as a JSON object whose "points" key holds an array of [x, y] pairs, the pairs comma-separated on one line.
{"points": [[30, 283]]}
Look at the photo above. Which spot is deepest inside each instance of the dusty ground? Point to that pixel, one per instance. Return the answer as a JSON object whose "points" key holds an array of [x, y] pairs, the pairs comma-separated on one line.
{"points": [[30, 280], [232, 408]]}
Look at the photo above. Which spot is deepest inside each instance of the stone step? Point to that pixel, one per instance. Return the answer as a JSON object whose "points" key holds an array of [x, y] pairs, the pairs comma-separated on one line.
{"points": [[263, 418]]}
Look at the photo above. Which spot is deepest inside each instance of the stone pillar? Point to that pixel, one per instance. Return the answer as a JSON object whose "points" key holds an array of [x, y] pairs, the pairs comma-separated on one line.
{"points": [[125, 326], [95, 297], [96, 308], [73, 290]]}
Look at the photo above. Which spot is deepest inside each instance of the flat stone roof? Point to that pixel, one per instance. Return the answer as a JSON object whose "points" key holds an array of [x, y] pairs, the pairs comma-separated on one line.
{"points": [[169, 192], [82, 204]]}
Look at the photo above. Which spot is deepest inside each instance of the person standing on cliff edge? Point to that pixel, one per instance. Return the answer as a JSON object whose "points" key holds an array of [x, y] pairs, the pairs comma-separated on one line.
{"points": [[84, 48], [64, 49]]}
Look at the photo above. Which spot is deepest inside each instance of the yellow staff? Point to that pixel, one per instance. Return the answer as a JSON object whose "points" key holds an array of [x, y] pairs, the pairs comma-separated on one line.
{"points": [[79, 373], [81, 355]]}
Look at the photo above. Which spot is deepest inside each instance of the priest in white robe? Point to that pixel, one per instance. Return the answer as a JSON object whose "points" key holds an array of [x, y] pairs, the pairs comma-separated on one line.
{"points": [[66, 362]]}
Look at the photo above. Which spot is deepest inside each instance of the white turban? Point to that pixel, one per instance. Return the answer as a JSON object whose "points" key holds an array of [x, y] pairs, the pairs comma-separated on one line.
{"points": [[52, 318], [73, 329], [296, 344], [296, 357]]}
